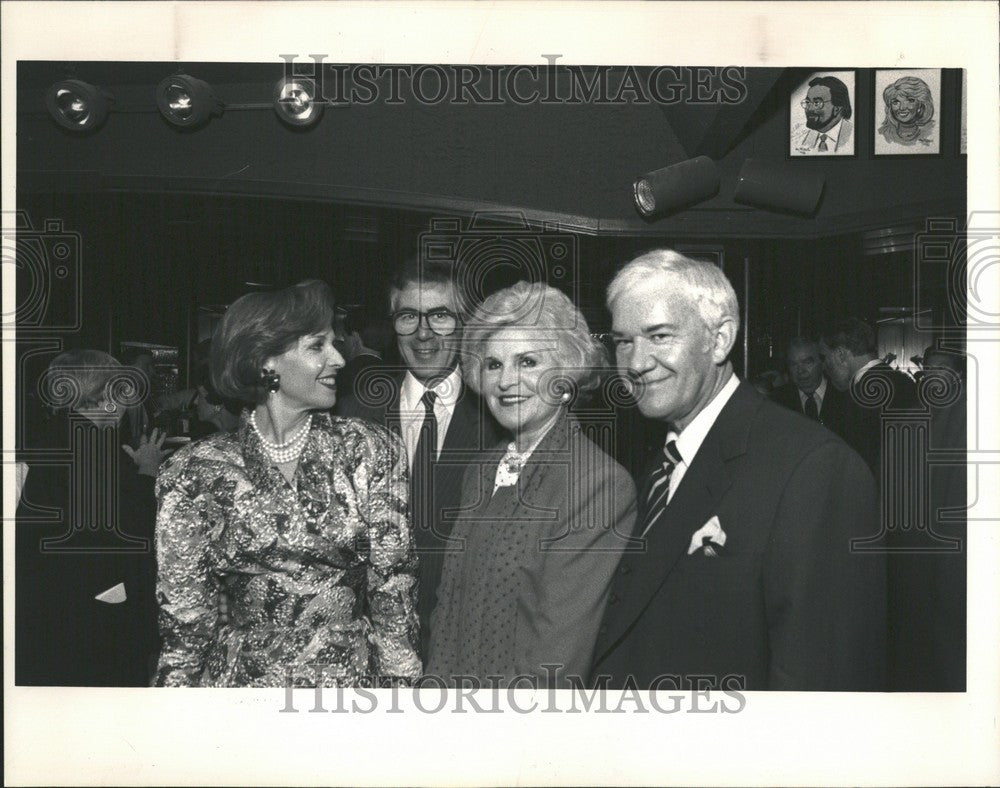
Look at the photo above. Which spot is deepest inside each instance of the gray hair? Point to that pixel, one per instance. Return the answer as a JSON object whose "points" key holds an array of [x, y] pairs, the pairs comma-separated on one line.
{"points": [[90, 373], [581, 357], [701, 282]]}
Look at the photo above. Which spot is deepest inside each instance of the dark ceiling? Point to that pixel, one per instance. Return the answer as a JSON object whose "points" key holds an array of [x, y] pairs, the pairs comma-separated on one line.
{"points": [[572, 163]]}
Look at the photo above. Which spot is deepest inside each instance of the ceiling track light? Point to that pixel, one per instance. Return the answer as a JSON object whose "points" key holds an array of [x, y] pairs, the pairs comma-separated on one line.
{"points": [[297, 103], [678, 186], [778, 187], [186, 102], [78, 106]]}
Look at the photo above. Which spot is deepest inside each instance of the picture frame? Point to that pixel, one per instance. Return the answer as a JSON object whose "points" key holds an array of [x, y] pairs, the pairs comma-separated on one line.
{"points": [[827, 127], [906, 112], [963, 114]]}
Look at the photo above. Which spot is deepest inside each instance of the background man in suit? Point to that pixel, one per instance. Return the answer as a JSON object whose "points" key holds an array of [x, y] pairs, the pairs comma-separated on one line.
{"points": [[925, 577], [807, 391], [442, 423], [828, 129], [851, 363], [747, 577]]}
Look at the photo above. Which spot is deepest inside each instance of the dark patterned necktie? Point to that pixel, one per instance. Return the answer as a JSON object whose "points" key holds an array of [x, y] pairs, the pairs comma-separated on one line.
{"points": [[810, 407], [423, 459], [659, 487], [822, 142]]}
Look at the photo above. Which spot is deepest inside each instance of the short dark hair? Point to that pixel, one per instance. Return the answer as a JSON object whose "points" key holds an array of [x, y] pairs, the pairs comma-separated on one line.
{"points": [[851, 333], [801, 341], [258, 326], [415, 270], [838, 94]]}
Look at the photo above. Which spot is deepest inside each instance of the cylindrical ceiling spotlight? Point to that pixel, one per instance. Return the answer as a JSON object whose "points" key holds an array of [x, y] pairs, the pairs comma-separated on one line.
{"points": [[186, 102], [296, 102], [677, 186], [778, 187], [78, 106]]}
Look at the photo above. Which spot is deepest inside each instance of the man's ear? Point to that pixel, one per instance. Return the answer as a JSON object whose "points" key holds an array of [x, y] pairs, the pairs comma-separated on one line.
{"points": [[723, 339]]}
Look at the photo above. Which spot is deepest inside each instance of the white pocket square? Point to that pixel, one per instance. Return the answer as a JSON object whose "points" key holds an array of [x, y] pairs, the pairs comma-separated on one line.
{"points": [[113, 596], [713, 531]]}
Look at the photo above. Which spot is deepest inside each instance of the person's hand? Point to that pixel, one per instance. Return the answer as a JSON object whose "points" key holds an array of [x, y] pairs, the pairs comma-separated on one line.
{"points": [[150, 453]]}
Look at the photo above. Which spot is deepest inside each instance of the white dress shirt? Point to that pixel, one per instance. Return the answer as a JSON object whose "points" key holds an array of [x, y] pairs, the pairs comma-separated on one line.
{"points": [[691, 438], [810, 140], [411, 409], [818, 395]]}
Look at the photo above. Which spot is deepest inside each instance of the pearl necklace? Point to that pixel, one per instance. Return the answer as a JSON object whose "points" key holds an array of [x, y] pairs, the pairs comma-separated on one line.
{"points": [[288, 451]]}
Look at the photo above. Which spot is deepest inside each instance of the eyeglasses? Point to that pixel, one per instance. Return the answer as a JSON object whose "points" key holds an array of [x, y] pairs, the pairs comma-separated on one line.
{"points": [[814, 103], [441, 321]]}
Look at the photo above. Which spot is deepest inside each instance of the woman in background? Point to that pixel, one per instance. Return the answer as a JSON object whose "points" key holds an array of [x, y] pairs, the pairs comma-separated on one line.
{"points": [[299, 516], [85, 610], [545, 517]]}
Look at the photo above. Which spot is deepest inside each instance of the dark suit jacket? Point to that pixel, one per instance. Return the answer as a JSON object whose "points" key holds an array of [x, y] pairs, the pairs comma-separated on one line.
{"points": [[787, 605], [927, 574], [831, 415], [471, 431], [879, 390], [348, 374], [527, 581], [64, 636]]}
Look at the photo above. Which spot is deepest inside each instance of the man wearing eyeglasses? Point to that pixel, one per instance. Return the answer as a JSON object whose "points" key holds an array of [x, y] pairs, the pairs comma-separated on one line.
{"points": [[443, 424], [828, 130]]}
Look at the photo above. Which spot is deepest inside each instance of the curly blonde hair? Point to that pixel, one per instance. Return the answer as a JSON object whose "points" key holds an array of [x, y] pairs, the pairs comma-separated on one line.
{"points": [[582, 359]]}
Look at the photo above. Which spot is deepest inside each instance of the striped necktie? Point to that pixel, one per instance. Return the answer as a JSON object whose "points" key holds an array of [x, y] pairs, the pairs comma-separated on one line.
{"points": [[659, 487]]}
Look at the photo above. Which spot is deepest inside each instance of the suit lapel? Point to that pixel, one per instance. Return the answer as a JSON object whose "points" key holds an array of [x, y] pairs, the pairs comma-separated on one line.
{"points": [[464, 426], [695, 501], [531, 498]]}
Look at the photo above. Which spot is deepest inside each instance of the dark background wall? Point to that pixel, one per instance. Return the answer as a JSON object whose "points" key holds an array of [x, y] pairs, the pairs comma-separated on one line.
{"points": [[171, 221]]}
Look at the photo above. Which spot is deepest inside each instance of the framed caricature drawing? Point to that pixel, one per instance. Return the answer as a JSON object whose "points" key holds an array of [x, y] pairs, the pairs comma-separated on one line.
{"points": [[905, 116], [820, 112], [962, 130]]}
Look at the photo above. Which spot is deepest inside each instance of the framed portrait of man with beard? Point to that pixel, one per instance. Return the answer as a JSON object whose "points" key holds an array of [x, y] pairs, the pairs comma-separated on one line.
{"points": [[820, 115]]}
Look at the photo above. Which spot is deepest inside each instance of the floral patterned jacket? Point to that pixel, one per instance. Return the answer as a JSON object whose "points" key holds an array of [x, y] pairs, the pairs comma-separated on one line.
{"points": [[319, 575]]}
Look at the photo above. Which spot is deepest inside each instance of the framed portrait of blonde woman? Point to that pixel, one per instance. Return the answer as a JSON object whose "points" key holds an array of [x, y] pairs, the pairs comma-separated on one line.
{"points": [[906, 114]]}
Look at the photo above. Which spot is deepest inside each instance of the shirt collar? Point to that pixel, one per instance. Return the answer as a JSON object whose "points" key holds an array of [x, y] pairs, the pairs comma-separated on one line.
{"points": [[864, 369], [832, 134], [818, 394], [690, 440], [447, 389]]}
